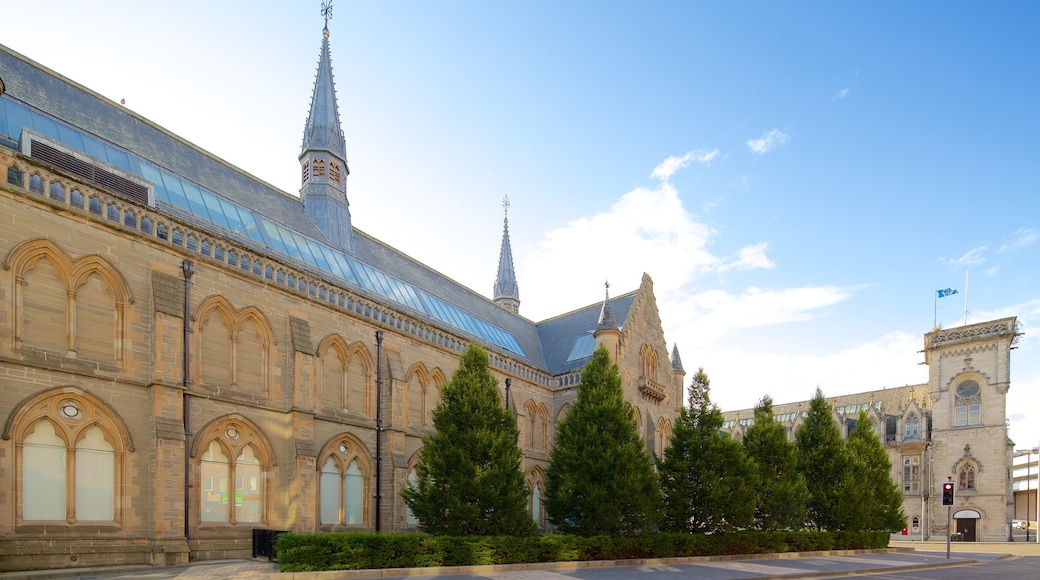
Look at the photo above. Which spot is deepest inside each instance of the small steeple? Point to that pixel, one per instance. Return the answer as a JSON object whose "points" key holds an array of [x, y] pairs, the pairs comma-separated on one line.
{"points": [[323, 157], [607, 333], [606, 312], [507, 293], [676, 361]]}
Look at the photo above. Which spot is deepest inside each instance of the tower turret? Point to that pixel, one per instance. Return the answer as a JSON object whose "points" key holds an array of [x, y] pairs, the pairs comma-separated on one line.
{"points": [[323, 158], [607, 332]]}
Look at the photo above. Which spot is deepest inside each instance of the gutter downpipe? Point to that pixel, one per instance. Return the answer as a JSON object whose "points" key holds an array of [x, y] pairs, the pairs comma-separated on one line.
{"points": [[379, 427], [188, 267]]}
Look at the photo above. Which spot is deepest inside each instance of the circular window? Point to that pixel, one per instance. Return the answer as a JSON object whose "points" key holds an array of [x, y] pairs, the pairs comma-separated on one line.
{"points": [[69, 409], [232, 432], [967, 389], [342, 447]]}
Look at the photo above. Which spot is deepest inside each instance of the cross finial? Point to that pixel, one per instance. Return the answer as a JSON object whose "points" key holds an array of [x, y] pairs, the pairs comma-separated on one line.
{"points": [[606, 288], [505, 204], [326, 11]]}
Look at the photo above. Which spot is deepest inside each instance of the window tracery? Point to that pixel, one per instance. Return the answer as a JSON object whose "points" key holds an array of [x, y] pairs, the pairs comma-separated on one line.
{"points": [[968, 404], [233, 458], [344, 483], [69, 446]]}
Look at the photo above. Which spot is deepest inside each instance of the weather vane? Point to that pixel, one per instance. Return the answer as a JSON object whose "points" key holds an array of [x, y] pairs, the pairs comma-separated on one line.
{"points": [[505, 205], [326, 11]]}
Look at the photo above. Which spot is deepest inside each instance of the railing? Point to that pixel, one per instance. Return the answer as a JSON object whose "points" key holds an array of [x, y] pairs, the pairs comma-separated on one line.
{"points": [[652, 389]]}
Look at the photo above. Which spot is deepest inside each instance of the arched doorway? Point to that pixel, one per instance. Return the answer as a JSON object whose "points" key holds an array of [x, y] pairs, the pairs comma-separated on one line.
{"points": [[965, 524]]}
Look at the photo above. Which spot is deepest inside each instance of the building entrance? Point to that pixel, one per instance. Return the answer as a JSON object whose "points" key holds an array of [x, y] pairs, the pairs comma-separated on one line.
{"points": [[965, 525]]}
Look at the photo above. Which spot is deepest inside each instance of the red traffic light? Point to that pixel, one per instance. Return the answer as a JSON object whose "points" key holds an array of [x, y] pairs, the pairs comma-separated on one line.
{"points": [[947, 493]]}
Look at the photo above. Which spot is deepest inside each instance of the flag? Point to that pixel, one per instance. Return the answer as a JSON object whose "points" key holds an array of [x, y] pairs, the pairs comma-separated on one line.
{"points": [[946, 292]]}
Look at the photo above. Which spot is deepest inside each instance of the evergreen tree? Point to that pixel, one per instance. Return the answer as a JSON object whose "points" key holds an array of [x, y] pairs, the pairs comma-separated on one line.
{"points": [[470, 480], [707, 479], [822, 461], [699, 388], [601, 479], [782, 493], [880, 504]]}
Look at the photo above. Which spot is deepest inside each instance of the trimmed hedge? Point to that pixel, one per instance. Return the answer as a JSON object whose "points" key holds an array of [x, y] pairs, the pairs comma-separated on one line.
{"points": [[368, 551]]}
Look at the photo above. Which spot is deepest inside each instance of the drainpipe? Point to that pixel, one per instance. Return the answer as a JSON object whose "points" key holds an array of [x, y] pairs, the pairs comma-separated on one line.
{"points": [[509, 382], [188, 268], [379, 427]]}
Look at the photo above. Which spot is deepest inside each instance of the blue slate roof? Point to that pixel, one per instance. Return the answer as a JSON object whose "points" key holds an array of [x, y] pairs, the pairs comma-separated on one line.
{"points": [[559, 334], [70, 113]]}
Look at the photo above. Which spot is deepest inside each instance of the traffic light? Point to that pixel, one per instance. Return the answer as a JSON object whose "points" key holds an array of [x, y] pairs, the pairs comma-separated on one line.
{"points": [[947, 495]]}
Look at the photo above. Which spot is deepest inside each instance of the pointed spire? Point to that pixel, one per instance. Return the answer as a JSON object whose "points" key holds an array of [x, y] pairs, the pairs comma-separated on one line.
{"points": [[323, 157], [507, 292], [606, 313], [676, 361], [323, 131]]}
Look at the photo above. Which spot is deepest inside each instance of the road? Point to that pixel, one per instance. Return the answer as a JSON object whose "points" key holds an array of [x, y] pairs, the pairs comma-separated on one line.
{"points": [[1015, 560]]}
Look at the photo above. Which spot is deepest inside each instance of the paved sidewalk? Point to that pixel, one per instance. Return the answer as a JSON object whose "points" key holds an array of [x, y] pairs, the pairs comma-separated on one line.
{"points": [[791, 565]]}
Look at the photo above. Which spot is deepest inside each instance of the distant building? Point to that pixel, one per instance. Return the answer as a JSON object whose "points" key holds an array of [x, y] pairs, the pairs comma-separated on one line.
{"points": [[188, 354], [1025, 485], [952, 427]]}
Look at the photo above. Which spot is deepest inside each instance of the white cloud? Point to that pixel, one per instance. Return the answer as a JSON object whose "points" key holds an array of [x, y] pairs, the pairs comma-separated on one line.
{"points": [[669, 166], [973, 257], [646, 230], [842, 94], [748, 258], [768, 141], [890, 360], [1021, 238], [707, 316]]}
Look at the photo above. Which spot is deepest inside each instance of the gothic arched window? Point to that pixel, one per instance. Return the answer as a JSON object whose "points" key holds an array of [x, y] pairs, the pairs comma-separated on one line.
{"points": [[968, 404], [966, 476], [912, 427]]}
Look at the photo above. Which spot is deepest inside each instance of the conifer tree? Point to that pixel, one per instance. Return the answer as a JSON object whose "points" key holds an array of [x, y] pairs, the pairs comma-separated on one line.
{"points": [[879, 504], [469, 471], [822, 461], [782, 493], [707, 479], [601, 479]]}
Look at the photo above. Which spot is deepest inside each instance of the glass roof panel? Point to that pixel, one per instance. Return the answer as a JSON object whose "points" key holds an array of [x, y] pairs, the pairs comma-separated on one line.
{"points": [[212, 203], [233, 216], [275, 239], [345, 263], [18, 117], [583, 347], [117, 158], [3, 119], [70, 137], [319, 256], [208, 206], [46, 126], [198, 207], [173, 187], [152, 174], [94, 148]]}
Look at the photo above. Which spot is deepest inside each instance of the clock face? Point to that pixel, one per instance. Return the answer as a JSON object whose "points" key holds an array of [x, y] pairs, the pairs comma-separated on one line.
{"points": [[967, 389]]}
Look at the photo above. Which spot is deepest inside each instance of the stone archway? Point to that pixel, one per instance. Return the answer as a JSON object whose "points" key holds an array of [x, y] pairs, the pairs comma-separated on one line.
{"points": [[965, 524]]}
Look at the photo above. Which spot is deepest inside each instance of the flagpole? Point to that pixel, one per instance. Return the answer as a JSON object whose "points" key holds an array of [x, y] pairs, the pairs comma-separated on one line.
{"points": [[965, 297], [935, 309]]}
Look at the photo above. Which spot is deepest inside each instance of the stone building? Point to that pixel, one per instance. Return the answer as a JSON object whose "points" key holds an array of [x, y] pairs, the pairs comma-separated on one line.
{"points": [[951, 428], [188, 354]]}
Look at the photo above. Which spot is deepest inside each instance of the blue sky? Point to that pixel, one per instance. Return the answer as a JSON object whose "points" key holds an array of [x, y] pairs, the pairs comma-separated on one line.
{"points": [[797, 178]]}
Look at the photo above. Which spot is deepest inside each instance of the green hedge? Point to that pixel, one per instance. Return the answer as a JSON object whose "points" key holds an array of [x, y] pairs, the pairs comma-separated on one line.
{"points": [[368, 551]]}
